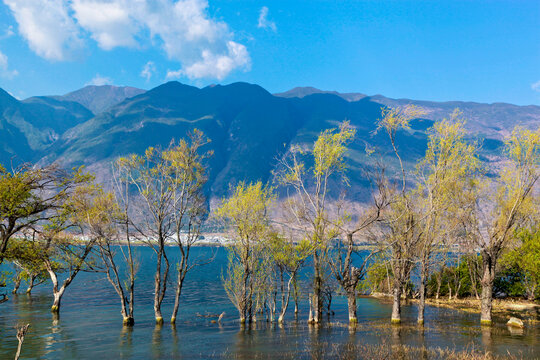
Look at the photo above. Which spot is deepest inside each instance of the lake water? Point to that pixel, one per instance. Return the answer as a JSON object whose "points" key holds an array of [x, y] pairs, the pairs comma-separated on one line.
{"points": [[90, 324]]}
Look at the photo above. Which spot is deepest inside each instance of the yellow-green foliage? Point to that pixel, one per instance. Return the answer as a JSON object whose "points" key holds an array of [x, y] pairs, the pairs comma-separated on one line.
{"points": [[450, 160], [396, 118], [246, 211], [27, 256], [168, 180], [330, 148], [518, 176], [286, 254], [447, 173], [16, 196]]}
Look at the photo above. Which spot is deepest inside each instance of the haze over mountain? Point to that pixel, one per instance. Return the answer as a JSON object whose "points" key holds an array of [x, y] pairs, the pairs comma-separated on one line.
{"points": [[249, 128]]}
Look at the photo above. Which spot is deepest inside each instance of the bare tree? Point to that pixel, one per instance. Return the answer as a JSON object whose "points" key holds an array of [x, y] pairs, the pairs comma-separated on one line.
{"points": [[401, 231], [341, 264], [169, 186], [188, 178], [308, 191], [149, 174], [449, 163], [500, 208]]}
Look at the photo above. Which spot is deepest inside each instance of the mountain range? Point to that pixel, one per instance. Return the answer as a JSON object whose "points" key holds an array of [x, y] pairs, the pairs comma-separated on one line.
{"points": [[249, 128]]}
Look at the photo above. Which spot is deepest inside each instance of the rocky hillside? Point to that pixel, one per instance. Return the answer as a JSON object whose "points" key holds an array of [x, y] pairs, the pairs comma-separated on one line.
{"points": [[249, 128]]}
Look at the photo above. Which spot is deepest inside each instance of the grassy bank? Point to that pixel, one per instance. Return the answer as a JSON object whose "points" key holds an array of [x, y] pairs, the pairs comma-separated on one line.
{"points": [[526, 310]]}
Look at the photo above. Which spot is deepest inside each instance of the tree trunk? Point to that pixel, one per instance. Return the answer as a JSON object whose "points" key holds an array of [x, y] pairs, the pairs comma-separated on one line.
{"points": [[396, 306], [488, 277], [31, 284], [457, 291], [251, 312], [57, 292], [422, 301], [157, 290], [127, 315], [16, 285], [439, 283], [317, 291], [296, 296], [310, 318], [351, 302], [179, 284], [55, 308], [487, 296], [285, 301], [130, 319], [243, 301]]}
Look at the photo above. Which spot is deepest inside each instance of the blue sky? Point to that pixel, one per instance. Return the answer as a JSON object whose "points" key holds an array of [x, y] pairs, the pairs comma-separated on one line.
{"points": [[485, 51]]}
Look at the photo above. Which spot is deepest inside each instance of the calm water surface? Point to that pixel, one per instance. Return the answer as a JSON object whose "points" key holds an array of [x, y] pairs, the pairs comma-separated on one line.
{"points": [[90, 325]]}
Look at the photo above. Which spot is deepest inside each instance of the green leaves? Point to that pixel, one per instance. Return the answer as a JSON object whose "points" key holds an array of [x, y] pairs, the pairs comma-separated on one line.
{"points": [[330, 148], [246, 210], [396, 118]]}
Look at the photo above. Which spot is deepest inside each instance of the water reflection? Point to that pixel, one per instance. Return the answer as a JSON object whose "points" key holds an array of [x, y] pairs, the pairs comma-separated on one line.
{"points": [[487, 339], [175, 352], [514, 331], [396, 335], [157, 342], [126, 341], [244, 340]]}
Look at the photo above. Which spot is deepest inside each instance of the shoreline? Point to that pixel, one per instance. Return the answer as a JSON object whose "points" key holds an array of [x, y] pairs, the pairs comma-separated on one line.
{"points": [[503, 308]]}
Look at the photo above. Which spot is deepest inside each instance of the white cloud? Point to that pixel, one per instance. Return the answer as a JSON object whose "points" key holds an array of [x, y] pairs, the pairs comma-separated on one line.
{"points": [[202, 45], [109, 22], [99, 80], [148, 70], [264, 22], [46, 25], [218, 66], [4, 69], [536, 86], [183, 29]]}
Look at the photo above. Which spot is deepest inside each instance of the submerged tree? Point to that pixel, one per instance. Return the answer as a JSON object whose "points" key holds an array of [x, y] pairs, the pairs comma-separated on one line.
{"points": [[122, 234], [246, 215], [188, 209], [65, 248], [99, 216], [168, 184], [341, 263], [149, 175], [286, 258], [449, 164], [495, 221], [308, 202], [401, 230]]}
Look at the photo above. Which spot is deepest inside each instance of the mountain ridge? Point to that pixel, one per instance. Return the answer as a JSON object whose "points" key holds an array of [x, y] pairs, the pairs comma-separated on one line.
{"points": [[249, 128], [99, 98]]}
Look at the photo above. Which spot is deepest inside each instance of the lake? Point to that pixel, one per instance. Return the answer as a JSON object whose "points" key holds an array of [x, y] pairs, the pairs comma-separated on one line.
{"points": [[90, 324]]}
